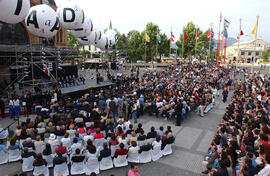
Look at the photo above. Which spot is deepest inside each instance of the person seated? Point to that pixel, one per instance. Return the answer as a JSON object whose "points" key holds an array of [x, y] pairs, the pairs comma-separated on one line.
{"points": [[152, 133], [134, 148], [247, 168], [27, 154], [221, 170], [145, 147], [98, 135], [142, 136], [160, 132], [13, 145], [78, 157], [169, 139], [87, 137], [139, 129], [209, 161], [39, 161], [75, 145], [29, 144], [133, 137], [157, 142], [59, 159], [106, 152], [61, 148], [122, 139], [121, 151], [113, 141]]}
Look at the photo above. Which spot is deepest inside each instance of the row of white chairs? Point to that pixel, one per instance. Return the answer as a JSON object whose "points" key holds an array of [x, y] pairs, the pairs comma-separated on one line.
{"points": [[87, 167]]}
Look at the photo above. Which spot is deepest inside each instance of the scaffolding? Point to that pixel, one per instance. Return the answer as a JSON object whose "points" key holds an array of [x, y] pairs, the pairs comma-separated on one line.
{"points": [[26, 59]]}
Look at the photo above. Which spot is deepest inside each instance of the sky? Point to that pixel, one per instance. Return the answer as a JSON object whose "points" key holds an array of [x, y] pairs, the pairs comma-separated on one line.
{"points": [[127, 15]]}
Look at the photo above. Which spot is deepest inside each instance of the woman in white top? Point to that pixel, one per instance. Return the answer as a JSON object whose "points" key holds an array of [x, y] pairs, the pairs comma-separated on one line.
{"points": [[122, 139], [157, 142], [134, 148], [66, 141]]}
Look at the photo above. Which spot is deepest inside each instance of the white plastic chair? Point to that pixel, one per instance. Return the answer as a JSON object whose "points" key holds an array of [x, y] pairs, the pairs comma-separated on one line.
{"points": [[61, 169], [92, 165], [27, 164], [38, 170], [14, 155], [151, 140], [99, 143], [141, 143], [120, 161], [77, 168], [39, 149], [3, 157], [167, 150], [133, 157], [145, 157], [49, 159], [106, 163], [156, 153], [113, 149]]}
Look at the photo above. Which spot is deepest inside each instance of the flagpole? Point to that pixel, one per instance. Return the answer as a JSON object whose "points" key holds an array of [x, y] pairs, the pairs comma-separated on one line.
{"points": [[145, 47], [170, 43], [196, 32], [218, 40], [239, 40], [156, 50], [222, 41], [225, 45], [183, 42], [210, 41], [253, 62]]}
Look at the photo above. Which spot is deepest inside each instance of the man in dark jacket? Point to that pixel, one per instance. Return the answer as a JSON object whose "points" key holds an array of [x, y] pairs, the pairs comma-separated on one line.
{"points": [[2, 107], [169, 139], [145, 147], [59, 159], [105, 152], [121, 151]]}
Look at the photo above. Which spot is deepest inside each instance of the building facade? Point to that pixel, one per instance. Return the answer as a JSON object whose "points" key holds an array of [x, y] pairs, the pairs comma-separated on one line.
{"points": [[246, 51]]}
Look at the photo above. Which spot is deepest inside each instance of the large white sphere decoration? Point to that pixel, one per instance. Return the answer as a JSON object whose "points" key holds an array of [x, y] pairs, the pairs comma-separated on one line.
{"points": [[42, 21], [84, 30], [71, 16], [102, 43], [90, 39], [98, 34], [13, 11], [111, 35]]}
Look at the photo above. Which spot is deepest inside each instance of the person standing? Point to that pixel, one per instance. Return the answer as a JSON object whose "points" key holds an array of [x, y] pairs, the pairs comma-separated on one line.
{"points": [[134, 170], [225, 94], [17, 107], [141, 104], [134, 111], [11, 107], [2, 107]]}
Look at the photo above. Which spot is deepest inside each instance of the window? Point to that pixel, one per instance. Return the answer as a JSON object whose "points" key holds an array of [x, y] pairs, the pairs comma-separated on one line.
{"points": [[257, 53], [249, 53], [242, 53]]}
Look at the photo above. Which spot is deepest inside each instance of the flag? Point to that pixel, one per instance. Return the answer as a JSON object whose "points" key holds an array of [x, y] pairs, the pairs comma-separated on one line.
{"points": [[241, 32], [226, 23], [47, 70], [172, 37], [225, 33], [197, 34], [254, 31], [220, 20], [147, 38], [158, 37], [210, 34], [185, 37]]}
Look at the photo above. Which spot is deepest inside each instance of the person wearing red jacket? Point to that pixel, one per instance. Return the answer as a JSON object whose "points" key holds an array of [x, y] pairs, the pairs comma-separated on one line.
{"points": [[121, 151]]}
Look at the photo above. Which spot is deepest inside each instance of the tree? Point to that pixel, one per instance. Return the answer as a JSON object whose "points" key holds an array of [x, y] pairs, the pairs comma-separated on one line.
{"points": [[189, 45], [265, 55], [135, 47], [73, 42], [164, 46]]}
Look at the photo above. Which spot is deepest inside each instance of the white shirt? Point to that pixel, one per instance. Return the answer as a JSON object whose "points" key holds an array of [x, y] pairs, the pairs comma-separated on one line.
{"points": [[155, 143], [87, 137], [17, 102], [66, 142], [265, 171], [75, 146]]}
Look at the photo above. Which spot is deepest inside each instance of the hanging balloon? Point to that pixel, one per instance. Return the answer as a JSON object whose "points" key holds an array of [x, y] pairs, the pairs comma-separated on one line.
{"points": [[102, 43], [84, 30], [98, 35], [90, 39], [111, 34], [71, 16], [42, 21], [13, 11]]}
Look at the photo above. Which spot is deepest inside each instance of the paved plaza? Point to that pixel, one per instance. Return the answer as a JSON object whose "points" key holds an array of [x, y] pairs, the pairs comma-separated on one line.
{"points": [[193, 138]]}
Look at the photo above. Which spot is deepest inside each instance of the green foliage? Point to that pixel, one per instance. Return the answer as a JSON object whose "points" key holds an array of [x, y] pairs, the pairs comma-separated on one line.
{"points": [[96, 55], [265, 55], [73, 43], [189, 45]]}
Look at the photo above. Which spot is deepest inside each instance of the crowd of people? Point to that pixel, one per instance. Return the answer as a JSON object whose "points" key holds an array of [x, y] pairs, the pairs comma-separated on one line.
{"points": [[106, 113], [241, 145]]}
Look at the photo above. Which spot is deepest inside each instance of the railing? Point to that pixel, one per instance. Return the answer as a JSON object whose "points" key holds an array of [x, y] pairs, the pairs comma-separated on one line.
{"points": [[7, 127]]}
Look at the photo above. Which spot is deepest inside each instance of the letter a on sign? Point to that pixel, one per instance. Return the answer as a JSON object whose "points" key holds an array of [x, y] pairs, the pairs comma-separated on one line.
{"points": [[56, 25], [32, 19]]}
